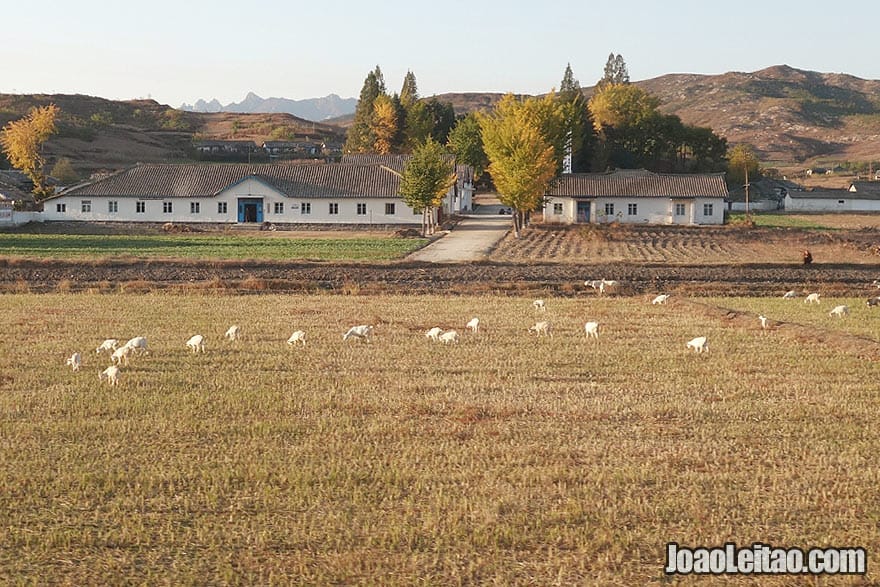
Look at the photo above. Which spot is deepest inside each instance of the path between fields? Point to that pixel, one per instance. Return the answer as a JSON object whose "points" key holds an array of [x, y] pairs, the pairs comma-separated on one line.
{"points": [[472, 239]]}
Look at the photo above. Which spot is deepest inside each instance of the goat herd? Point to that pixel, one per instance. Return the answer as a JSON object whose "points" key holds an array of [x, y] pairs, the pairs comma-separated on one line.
{"points": [[119, 355]]}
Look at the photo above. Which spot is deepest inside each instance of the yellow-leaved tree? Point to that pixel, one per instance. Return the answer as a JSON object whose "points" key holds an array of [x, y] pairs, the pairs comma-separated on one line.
{"points": [[22, 142], [426, 178], [521, 159], [384, 124]]}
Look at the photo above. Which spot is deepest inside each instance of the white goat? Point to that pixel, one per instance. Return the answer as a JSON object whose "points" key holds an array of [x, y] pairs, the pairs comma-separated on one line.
{"points": [[473, 325], [75, 361], [196, 343], [449, 336], [876, 283], [111, 374], [605, 284], [434, 333], [591, 329], [138, 344], [789, 295], [362, 332], [542, 328], [699, 344], [540, 305], [109, 345], [839, 311], [120, 356], [661, 299], [233, 333], [813, 297], [297, 337], [763, 320]]}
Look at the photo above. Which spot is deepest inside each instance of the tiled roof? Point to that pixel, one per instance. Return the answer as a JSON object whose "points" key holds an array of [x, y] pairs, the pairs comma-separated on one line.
{"points": [[865, 189], [832, 194], [639, 183], [398, 162], [205, 180]]}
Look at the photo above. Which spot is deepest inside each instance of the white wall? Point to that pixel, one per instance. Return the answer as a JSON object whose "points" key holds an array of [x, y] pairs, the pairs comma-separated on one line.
{"points": [[831, 205], [755, 206], [18, 217]]}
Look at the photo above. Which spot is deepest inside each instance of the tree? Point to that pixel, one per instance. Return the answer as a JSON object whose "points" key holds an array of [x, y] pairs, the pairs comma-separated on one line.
{"points": [[426, 178], [615, 72], [466, 143], [384, 125], [742, 163], [521, 160], [409, 93], [419, 125], [360, 138], [581, 136], [621, 105], [22, 141], [64, 172]]}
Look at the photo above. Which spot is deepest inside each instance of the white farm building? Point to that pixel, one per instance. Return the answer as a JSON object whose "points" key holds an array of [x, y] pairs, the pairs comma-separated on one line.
{"points": [[328, 193], [636, 196], [862, 196]]}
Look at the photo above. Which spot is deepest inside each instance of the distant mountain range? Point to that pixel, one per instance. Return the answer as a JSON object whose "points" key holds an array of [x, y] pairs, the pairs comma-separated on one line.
{"points": [[315, 109]]}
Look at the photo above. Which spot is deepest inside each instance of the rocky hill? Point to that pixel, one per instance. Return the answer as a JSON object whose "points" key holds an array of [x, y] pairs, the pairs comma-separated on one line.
{"points": [[316, 109]]}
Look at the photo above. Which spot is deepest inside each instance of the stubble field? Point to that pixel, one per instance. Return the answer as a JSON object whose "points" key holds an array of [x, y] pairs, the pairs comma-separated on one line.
{"points": [[504, 459]]}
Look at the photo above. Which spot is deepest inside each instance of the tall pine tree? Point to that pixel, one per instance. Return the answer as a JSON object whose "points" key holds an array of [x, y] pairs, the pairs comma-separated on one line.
{"points": [[360, 137], [578, 121]]}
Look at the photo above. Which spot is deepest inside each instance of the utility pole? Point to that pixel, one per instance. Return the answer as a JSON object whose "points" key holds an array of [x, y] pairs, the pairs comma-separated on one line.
{"points": [[748, 215]]}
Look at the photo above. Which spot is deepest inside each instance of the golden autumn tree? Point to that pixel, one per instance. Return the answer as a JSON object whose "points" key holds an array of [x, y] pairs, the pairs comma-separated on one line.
{"points": [[426, 178], [521, 159], [22, 142], [384, 124]]}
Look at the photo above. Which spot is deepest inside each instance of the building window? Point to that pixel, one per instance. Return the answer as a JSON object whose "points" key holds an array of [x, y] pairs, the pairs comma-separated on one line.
{"points": [[167, 207], [86, 205], [679, 209], [707, 209], [361, 209], [334, 208], [112, 206], [389, 209], [841, 201], [306, 208], [279, 207], [557, 208], [140, 207], [61, 207], [632, 209], [609, 209], [221, 208], [195, 207]]}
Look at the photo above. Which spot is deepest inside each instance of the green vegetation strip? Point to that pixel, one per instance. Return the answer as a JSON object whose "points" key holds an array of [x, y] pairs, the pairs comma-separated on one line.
{"points": [[208, 247], [778, 221]]}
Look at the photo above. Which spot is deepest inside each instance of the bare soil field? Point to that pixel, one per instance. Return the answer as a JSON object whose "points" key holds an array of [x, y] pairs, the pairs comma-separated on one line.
{"points": [[688, 245]]}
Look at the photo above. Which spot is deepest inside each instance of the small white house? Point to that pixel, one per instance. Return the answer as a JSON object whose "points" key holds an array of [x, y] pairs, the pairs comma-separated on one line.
{"points": [[329, 193], [636, 196], [862, 196]]}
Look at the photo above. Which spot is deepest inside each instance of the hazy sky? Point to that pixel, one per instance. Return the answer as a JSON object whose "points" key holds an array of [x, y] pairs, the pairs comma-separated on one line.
{"points": [[179, 51]]}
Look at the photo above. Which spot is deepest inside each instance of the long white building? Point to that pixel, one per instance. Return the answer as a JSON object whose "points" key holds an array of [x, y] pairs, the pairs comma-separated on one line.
{"points": [[327, 193], [636, 196]]}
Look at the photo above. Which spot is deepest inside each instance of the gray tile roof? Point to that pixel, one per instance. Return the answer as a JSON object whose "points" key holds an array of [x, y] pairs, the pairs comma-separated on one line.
{"points": [[398, 162], [206, 179], [639, 183], [865, 190]]}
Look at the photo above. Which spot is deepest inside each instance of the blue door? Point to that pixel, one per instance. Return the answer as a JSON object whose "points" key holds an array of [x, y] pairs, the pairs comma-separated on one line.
{"points": [[583, 212], [250, 209]]}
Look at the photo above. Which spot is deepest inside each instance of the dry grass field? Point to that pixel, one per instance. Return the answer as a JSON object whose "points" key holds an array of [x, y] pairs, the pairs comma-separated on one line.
{"points": [[504, 460], [689, 245]]}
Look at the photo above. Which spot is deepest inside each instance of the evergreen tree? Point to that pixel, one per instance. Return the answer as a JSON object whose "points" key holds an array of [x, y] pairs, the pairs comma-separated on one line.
{"points": [[581, 139], [409, 93], [466, 142], [360, 137], [615, 72]]}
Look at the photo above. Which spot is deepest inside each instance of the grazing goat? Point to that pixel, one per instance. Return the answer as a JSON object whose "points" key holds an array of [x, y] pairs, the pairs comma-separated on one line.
{"points": [[434, 333], [876, 283], [138, 343], [875, 301], [75, 361], [233, 333], [120, 356], [661, 299], [789, 295], [542, 328], [362, 332], [111, 374], [449, 336], [763, 320], [839, 311], [298, 336], [813, 297], [109, 345], [591, 329], [473, 325], [699, 344], [606, 283], [196, 343], [540, 305]]}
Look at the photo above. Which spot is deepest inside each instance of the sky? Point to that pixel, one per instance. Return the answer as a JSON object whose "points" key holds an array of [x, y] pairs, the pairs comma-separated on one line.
{"points": [[180, 51]]}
